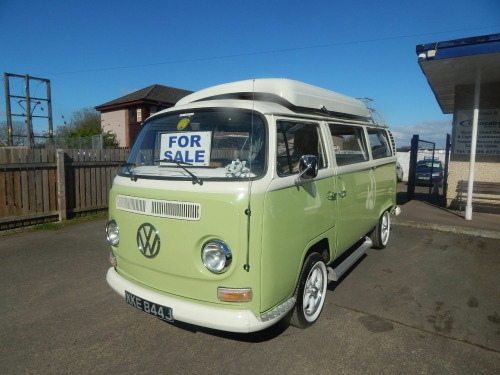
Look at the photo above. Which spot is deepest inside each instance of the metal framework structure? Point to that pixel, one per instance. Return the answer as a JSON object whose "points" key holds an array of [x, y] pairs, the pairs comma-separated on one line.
{"points": [[29, 109]]}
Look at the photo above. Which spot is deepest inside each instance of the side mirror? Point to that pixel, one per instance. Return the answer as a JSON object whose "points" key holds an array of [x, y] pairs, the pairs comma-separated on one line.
{"points": [[308, 167]]}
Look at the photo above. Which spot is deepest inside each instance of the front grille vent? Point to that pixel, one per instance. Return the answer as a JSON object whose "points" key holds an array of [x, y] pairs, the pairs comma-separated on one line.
{"points": [[177, 210], [161, 208], [131, 204]]}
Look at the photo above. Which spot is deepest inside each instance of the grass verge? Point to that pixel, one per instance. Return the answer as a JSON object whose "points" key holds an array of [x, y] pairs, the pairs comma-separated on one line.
{"points": [[60, 224]]}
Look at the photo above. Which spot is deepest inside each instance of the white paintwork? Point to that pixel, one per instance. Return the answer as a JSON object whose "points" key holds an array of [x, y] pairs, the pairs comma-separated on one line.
{"points": [[209, 186], [243, 321], [297, 93]]}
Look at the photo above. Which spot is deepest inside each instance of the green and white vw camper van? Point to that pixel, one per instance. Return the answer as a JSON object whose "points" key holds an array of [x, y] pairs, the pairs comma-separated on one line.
{"points": [[239, 204]]}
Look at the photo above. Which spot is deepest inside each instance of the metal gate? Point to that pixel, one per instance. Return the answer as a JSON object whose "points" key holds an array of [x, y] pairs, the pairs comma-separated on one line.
{"points": [[427, 171]]}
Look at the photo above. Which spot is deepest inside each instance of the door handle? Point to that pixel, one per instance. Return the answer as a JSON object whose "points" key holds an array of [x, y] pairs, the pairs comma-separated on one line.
{"points": [[342, 193], [331, 196]]}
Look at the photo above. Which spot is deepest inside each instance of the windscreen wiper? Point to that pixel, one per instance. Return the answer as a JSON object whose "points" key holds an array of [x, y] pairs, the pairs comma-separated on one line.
{"points": [[181, 164], [133, 177]]}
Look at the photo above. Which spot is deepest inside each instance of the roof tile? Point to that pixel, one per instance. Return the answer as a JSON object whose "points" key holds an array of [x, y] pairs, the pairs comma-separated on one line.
{"points": [[156, 93]]}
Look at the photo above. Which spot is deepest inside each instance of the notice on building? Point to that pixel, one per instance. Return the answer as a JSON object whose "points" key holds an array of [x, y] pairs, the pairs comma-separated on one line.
{"points": [[488, 132]]}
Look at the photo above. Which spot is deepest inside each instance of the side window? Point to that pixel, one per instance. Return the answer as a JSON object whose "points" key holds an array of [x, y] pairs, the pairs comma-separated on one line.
{"points": [[349, 143], [294, 140], [379, 143]]}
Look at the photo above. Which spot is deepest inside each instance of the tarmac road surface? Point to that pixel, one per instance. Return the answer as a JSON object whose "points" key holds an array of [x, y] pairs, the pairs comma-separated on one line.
{"points": [[427, 304]]}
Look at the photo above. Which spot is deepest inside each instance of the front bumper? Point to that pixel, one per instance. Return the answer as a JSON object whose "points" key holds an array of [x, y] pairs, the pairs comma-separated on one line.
{"points": [[223, 319]]}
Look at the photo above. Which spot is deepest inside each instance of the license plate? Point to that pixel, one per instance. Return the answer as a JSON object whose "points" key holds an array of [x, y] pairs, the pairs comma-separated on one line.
{"points": [[159, 311]]}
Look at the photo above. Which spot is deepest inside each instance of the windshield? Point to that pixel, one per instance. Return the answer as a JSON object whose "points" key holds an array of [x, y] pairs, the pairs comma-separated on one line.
{"points": [[198, 145], [429, 164]]}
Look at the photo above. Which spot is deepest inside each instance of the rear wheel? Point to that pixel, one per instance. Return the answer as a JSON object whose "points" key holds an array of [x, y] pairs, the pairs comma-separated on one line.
{"points": [[311, 292], [380, 235]]}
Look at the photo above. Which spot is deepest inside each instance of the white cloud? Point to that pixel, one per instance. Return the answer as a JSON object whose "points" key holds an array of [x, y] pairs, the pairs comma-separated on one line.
{"points": [[428, 130]]}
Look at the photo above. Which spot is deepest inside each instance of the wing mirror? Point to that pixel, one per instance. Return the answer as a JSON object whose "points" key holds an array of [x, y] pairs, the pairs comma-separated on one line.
{"points": [[308, 167]]}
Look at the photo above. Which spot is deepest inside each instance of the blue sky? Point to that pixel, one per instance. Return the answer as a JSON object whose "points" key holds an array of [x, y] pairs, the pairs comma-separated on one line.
{"points": [[97, 51]]}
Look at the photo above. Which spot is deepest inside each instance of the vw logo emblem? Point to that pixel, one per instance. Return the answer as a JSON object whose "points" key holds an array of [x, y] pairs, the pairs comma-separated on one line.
{"points": [[148, 240]]}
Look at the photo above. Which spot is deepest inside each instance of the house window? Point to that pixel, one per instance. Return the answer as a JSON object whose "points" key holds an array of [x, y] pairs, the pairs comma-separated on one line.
{"points": [[139, 114], [132, 116]]}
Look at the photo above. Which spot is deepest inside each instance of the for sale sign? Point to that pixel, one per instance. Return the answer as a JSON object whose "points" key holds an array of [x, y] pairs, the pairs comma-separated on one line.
{"points": [[488, 132], [192, 147]]}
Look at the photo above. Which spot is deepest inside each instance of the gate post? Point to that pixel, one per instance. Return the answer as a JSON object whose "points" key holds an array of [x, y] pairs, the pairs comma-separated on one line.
{"points": [[410, 192], [61, 185]]}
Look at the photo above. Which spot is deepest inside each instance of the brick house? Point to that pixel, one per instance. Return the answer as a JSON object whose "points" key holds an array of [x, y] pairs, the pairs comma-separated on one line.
{"points": [[124, 116]]}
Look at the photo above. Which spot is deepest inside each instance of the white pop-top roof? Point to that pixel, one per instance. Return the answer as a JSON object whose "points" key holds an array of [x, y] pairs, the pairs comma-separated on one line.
{"points": [[292, 94]]}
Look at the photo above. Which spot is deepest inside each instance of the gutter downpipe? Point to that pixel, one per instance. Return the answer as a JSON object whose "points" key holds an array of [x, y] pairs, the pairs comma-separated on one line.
{"points": [[475, 120]]}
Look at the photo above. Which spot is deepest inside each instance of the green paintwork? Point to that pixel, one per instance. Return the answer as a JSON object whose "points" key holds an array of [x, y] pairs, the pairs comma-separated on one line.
{"points": [[178, 269], [285, 224], [296, 218], [368, 193], [293, 218]]}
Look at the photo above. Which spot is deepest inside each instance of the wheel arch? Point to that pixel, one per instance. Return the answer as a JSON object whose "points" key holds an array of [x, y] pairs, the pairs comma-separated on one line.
{"points": [[320, 246], [390, 207]]}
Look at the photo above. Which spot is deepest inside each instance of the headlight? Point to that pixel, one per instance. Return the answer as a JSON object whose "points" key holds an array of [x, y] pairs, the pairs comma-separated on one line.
{"points": [[216, 256], [112, 233]]}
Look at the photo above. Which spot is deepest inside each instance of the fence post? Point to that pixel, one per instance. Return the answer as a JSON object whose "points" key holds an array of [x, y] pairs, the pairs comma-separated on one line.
{"points": [[61, 184]]}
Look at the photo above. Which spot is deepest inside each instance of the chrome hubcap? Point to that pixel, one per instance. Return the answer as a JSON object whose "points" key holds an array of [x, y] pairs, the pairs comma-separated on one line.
{"points": [[314, 290], [385, 227]]}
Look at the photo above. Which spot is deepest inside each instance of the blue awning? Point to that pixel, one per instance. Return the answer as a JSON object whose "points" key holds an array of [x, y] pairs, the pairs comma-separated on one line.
{"points": [[455, 63]]}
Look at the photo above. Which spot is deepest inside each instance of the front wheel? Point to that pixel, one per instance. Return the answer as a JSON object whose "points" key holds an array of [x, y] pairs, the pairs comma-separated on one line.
{"points": [[380, 235], [311, 292]]}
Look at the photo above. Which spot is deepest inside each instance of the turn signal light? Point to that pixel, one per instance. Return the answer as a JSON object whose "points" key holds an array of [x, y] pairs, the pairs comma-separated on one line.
{"points": [[234, 295], [112, 259]]}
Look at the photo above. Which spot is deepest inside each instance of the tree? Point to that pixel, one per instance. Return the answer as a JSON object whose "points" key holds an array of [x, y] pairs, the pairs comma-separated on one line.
{"points": [[85, 123], [18, 133]]}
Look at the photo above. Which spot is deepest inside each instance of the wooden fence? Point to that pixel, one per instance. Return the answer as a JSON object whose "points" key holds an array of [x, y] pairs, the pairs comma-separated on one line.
{"points": [[39, 185]]}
